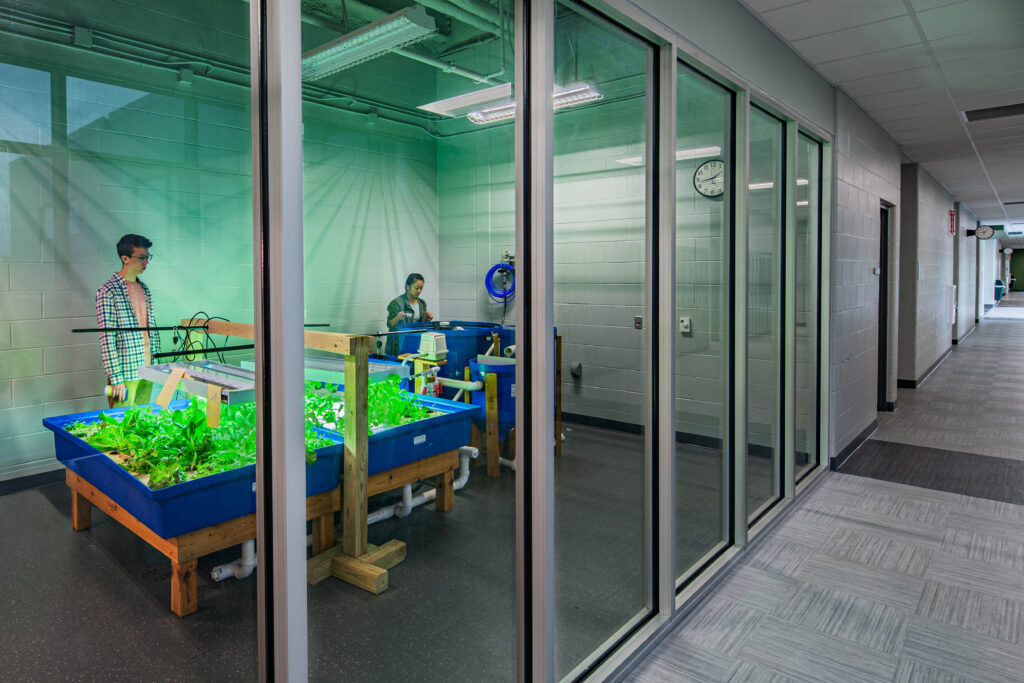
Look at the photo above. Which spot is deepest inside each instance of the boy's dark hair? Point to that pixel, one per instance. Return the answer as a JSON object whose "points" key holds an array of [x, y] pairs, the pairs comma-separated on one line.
{"points": [[413, 277], [126, 245]]}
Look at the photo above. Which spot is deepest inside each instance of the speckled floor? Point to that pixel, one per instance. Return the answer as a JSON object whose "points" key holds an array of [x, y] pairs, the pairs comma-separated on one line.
{"points": [[93, 605]]}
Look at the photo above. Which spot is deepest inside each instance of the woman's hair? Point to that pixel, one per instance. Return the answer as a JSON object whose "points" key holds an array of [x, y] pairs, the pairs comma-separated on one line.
{"points": [[413, 277]]}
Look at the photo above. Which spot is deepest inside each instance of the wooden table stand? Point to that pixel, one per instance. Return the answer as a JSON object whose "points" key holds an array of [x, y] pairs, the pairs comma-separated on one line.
{"points": [[183, 551]]}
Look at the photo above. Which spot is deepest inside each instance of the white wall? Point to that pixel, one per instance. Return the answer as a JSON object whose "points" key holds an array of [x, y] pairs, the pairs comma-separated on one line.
{"points": [[926, 260], [867, 173]]}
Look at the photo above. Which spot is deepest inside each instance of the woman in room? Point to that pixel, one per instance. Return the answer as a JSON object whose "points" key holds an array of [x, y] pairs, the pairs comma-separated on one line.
{"points": [[406, 308]]}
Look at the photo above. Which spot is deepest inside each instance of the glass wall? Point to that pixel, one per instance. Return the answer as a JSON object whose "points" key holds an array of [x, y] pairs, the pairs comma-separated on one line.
{"points": [[808, 228], [600, 207], [133, 120], [703, 199], [408, 203], [764, 312]]}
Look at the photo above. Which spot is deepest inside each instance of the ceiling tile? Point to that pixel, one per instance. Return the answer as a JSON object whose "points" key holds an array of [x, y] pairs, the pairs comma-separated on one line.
{"points": [[758, 6], [998, 39], [875, 64], [899, 99], [1004, 62], [883, 116], [819, 17], [861, 40], [921, 5], [921, 77], [969, 17]]}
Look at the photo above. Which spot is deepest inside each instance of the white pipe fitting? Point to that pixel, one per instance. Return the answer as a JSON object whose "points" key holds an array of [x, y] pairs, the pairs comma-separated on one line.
{"points": [[478, 385], [240, 568], [409, 501], [511, 464]]}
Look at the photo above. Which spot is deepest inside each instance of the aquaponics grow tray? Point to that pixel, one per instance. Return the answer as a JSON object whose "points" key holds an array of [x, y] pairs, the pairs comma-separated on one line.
{"points": [[198, 503]]}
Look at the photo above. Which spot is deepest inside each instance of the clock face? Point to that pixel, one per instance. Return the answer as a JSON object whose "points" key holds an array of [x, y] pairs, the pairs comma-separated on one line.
{"points": [[709, 178], [984, 232]]}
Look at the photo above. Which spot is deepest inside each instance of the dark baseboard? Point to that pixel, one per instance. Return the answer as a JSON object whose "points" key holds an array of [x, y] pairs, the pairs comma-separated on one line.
{"points": [[31, 481], [915, 383], [968, 334], [603, 423], [890, 406], [834, 463]]}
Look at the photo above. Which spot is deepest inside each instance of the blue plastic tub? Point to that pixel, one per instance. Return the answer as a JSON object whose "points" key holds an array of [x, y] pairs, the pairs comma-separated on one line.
{"points": [[184, 507], [463, 344], [506, 375], [397, 446]]}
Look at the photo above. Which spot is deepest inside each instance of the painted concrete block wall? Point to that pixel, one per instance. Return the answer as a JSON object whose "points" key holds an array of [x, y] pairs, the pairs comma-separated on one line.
{"points": [[909, 274], [988, 269], [867, 173], [965, 263], [935, 259], [927, 310]]}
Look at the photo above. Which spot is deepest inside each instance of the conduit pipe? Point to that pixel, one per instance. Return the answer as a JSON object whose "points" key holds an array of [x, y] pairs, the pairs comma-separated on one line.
{"points": [[409, 501], [240, 568]]}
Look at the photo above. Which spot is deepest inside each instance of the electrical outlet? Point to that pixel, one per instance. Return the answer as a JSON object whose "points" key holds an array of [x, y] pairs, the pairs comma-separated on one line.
{"points": [[684, 325]]}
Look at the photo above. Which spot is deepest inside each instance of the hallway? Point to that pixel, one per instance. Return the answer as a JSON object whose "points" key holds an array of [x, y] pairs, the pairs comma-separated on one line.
{"points": [[874, 579]]}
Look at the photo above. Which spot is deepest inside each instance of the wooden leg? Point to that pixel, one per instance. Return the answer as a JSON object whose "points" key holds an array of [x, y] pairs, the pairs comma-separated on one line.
{"points": [[445, 484], [476, 441], [81, 511], [323, 533], [493, 452], [184, 588]]}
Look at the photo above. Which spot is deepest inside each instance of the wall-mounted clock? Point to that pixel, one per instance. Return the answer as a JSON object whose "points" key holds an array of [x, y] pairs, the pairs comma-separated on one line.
{"points": [[983, 232], [709, 178]]}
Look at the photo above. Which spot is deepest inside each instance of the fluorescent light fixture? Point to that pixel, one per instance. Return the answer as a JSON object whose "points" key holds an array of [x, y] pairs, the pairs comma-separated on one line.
{"points": [[681, 154], [803, 203], [402, 28], [1015, 229], [460, 105], [802, 181], [698, 153], [564, 96], [761, 186]]}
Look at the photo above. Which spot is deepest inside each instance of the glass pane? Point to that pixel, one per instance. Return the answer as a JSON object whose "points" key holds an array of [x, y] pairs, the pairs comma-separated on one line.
{"points": [[141, 128], [599, 275], [408, 179], [808, 216], [703, 126], [764, 312]]}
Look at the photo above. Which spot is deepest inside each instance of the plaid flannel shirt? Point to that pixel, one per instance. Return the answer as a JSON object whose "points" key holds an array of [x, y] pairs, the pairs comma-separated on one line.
{"points": [[122, 352]]}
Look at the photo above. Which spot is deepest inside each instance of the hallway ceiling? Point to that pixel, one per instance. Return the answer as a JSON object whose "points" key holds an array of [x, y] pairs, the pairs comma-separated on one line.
{"points": [[915, 66]]}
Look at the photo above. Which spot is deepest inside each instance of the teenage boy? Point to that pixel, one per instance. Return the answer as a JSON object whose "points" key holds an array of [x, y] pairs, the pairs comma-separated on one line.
{"points": [[124, 301]]}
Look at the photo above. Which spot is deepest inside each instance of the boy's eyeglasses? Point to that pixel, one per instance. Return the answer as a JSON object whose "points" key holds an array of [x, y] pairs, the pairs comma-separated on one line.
{"points": [[144, 257]]}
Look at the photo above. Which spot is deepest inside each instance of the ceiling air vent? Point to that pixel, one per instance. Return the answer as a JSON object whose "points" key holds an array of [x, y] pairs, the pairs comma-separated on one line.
{"points": [[995, 112]]}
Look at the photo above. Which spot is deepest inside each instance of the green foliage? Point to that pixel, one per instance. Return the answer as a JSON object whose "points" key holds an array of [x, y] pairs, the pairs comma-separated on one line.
{"points": [[175, 446]]}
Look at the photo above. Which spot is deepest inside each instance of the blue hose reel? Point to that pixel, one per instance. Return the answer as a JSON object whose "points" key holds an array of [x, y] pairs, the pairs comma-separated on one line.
{"points": [[503, 294]]}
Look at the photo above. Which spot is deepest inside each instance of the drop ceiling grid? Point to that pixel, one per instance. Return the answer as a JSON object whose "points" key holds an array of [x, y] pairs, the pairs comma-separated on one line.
{"points": [[915, 89]]}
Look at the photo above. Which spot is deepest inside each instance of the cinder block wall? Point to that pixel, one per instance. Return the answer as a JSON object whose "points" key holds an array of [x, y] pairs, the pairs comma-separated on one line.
{"points": [[867, 173]]}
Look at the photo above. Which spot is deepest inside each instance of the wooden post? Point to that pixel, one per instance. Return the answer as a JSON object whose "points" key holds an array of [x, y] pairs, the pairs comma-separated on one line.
{"points": [[323, 533], [353, 510], [497, 344], [184, 588], [445, 500], [81, 511], [213, 393], [467, 396], [164, 397], [493, 454], [558, 396]]}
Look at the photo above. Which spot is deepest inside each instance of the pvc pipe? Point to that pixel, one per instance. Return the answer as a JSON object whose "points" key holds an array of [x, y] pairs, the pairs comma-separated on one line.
{"points": [[511, 464], [477, 385], [510, 351], [409, 501], [240, 568]]}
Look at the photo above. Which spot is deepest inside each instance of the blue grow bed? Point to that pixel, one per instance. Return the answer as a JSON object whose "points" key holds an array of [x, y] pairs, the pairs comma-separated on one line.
{"points": [[184, 507], [396, 446]]}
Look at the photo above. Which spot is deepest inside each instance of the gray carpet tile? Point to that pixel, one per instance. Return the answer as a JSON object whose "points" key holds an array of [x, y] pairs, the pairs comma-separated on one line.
{"points": [[990, 615], [910, 584]]}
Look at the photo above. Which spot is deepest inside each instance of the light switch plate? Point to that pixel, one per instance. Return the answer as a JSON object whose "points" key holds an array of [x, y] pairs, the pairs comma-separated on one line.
{"points": [[684, 325]]}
